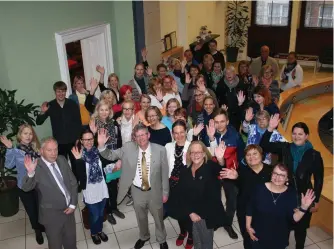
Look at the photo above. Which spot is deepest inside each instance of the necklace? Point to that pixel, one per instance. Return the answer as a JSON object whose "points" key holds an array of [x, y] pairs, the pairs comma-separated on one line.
{"points": [[275, 200]]}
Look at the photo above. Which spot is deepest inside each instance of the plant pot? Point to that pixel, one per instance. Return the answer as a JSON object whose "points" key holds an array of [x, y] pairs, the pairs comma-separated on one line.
{"points": [[232, 54], [9, 198]]}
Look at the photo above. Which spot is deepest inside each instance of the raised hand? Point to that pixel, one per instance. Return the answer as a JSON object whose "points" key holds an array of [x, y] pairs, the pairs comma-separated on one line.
{"points": [[102, 137], [159, 95], [76, 152], [220, 151], [224, 107], [149, 71], [251, 233], [44, 107], [6, 142], [255, 80], [30, 164], [307, 199], [228, 174], [201, 86], [241, 97], [144, 53], [175, 89], [210, 129], [183, 63], [249, 114], [100, 69], [93, 85], [92, 125], [198, 128], [188, 78], [273, 122]]}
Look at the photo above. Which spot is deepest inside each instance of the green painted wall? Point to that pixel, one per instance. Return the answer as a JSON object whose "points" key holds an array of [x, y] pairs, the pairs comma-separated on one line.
{"points": [[28, 54]]}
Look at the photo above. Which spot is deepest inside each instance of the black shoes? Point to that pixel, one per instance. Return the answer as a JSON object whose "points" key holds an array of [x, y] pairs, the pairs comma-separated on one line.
{"points": [[39, 237], [118, 213], [140, 243], [103, 236], [111, 219], [231, 232], [164, 245], [96, 239]]}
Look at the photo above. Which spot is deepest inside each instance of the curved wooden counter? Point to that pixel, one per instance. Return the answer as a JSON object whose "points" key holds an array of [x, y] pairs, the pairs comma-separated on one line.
{"points": [[310, 102]]}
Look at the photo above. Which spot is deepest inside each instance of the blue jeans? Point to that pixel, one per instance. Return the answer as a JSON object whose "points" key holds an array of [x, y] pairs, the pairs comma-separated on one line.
{"points": [[96, 212]]}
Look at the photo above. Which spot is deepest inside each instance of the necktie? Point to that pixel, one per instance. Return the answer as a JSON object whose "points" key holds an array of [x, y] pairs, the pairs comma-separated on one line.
{"points": [[61, 182], [144, 184]]}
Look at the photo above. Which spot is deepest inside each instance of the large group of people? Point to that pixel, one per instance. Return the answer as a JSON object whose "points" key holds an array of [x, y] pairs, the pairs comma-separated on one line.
{"points": [[172, 141]]}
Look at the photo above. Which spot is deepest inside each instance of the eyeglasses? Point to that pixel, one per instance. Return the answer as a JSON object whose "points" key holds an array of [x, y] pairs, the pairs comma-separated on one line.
{"points": [[280, 176], [88, 140], [142, 135], [127, 109], [198, 95], [152, 116], [197, 153]]}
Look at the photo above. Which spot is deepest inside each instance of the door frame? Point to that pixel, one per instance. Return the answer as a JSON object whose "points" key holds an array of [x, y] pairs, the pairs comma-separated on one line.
{"points": [[76, 34]]}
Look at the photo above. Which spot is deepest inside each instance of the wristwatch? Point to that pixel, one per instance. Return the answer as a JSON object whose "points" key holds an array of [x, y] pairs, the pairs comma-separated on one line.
{"points": [[302, 210]]}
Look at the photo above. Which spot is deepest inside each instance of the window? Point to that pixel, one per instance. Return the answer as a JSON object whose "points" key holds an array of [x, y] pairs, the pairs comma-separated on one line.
{"points": [[272, 13], [319, 14]]}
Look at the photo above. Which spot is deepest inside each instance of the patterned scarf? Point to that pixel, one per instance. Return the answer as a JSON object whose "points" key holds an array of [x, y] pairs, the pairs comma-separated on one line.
{"points": [[28, 150], [110, 126], [216, 78], [298, 153], [288, 68], [92, 158]]}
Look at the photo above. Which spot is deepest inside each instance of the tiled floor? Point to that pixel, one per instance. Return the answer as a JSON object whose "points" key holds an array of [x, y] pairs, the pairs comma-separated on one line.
{"points": [[16, 233]]}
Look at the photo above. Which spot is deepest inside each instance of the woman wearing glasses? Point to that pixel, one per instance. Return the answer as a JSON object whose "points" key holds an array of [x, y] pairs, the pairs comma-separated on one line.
{"points": [[303, 162], [273, 209], [159, 133], [92, 183], [199, 193]]}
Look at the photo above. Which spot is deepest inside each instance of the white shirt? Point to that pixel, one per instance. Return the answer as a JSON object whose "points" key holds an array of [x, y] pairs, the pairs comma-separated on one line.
{"points": [[137, 181], [95, 193], [48, 164], [292, 81]]}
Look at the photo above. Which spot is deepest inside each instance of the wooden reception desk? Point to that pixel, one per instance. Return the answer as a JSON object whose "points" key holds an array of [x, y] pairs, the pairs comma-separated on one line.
{"points": [[308, 104]]}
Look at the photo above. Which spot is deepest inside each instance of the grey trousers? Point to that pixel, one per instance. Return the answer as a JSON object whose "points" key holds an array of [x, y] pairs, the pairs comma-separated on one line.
{"points": [[202, 236], [142, 203], [62, 233]]}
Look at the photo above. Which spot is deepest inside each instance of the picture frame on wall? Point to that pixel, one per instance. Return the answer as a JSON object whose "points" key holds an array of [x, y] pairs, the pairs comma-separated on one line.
{"points": [[168, 42], [174, 39]]}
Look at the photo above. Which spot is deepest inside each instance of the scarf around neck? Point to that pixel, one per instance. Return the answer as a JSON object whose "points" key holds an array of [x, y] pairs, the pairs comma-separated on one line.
{"points": [[94, 171], [298, 153], [110, 126], [289, 67], [29, 150], [232, 84], [216, 78]]}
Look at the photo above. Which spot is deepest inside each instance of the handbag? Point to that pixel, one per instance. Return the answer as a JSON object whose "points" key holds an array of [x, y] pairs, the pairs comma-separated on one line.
{"points": [[85, 217]]}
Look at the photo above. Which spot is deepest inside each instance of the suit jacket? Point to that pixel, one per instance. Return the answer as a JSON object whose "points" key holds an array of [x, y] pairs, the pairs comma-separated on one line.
{"points": [[51, 201], [159, 173]]}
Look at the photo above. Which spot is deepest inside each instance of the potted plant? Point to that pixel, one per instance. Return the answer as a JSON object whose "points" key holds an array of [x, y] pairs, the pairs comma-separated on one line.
{"points": [[237, 21], [13, 114]]}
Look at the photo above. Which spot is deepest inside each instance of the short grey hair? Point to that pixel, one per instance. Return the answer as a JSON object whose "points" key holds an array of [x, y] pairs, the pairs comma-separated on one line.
{"points": [[139, 127], [47, 140]]}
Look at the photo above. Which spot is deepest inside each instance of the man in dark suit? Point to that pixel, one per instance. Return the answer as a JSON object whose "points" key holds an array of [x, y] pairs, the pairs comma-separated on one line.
{"points": [[52, 178]]}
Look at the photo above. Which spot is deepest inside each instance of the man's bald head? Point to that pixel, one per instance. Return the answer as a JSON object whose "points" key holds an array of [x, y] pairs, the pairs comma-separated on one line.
{"points": [[264, 52]]}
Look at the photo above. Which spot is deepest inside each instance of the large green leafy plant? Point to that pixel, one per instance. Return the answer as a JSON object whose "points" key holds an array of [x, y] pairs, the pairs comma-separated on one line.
{"points": [[13, 113], [237, 23]]}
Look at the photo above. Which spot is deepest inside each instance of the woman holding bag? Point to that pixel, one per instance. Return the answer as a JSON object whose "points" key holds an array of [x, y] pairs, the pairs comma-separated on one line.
{"points": [[92, 183]]}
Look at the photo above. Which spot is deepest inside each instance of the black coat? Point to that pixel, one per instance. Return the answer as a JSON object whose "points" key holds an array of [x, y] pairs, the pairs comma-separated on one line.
{"points": [[227, 96], [200, 195], [311, 164]]}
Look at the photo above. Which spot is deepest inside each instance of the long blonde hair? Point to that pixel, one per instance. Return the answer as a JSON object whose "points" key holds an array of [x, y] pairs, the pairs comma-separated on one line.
{"points": [[207, 153], [108, 93], [95, 115], [34, 142]]}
